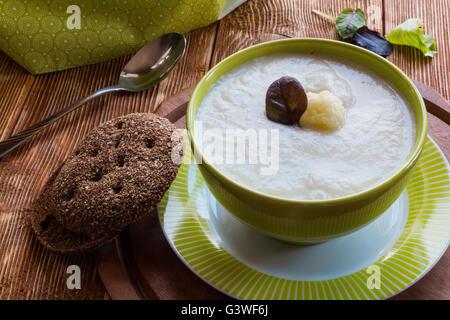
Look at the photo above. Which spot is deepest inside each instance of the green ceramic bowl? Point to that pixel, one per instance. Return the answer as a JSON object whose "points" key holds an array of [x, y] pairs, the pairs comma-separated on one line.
{"points": [[308, 221]]}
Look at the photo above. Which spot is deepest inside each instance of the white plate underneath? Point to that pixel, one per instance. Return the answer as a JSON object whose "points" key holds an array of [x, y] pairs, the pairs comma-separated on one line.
{"points": [[375, 262], [331, 259]]}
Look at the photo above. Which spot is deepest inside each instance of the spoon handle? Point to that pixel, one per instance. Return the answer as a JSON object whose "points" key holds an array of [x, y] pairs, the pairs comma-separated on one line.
{"points": [[16, 140]]}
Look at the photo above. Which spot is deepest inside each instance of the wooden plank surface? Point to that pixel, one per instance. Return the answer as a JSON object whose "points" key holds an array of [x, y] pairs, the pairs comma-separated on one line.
{"points": [[258, 21], [435, 15], [29, 271]]}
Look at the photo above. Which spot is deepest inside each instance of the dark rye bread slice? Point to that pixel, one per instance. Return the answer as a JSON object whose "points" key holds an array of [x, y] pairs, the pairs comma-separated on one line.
{"points": [[52, 234], [112, 179], [116, 175]]}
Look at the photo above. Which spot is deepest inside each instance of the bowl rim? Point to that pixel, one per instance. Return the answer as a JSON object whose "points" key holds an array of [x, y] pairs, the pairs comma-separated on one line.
{"points": [[372, 191]]}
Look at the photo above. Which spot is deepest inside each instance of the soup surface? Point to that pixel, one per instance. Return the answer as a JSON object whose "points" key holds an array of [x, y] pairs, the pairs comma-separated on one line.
{"points": [[301, 163]]}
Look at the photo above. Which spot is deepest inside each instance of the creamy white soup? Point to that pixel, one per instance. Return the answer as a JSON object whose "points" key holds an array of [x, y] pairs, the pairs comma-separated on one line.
{"points": [[297, 162]]}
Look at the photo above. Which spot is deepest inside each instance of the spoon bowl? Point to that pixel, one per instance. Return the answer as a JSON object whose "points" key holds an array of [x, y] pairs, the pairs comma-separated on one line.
{"points": [[153, 62]]}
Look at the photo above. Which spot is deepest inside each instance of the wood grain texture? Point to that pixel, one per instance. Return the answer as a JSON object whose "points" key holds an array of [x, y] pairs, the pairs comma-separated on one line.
{"points": [[260, 20], [29, 271], [435, 103], [435, 14]]}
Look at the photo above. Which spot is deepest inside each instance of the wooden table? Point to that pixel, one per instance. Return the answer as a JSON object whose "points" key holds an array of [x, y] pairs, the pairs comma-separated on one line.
{"points": [[27, 270]]}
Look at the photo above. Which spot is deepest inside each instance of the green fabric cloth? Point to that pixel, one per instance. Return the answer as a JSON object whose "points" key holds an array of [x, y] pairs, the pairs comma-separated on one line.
{"points": [[35, 33]]}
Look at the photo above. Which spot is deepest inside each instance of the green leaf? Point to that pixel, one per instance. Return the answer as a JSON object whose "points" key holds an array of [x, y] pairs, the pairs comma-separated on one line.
{"points": [[373, 41], [349, 21], [411, 33]]}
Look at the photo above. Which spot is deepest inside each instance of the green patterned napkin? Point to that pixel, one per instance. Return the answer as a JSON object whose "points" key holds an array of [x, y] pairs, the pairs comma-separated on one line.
{"points": [[51, 35]]}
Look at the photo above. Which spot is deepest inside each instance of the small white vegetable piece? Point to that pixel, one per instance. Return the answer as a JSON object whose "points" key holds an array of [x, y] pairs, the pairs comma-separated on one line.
{"points": [[325, 111]]}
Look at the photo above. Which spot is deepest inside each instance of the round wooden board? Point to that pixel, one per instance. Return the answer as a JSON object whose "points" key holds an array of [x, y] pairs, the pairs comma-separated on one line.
{"points": [[140, 264]]}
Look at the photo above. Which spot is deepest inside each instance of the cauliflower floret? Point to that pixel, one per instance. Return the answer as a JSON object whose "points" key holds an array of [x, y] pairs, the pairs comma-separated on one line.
{"points": [[325, 111]]}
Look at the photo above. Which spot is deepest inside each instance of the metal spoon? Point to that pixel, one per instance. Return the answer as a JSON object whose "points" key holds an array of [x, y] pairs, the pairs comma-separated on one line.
{"points": [[150, 65]]}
